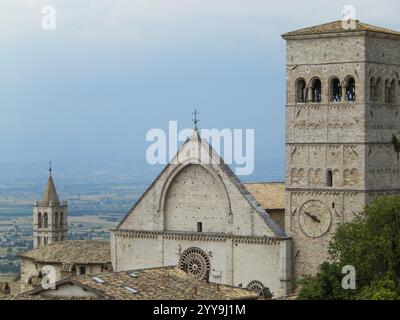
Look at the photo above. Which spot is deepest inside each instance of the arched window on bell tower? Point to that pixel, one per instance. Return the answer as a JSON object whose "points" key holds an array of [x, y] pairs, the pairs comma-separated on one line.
{"points": [[329, 178], [300, 91], [378, 90], [40, 220], [350, 89], [316, 90], [387, 88], [61, 220], [335, 90], [392, 91], [372, 89], [45, 220], [56, 223]]}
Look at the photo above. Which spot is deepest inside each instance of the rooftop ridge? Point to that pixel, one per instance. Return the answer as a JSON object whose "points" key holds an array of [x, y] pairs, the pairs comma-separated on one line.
{"points": [[337, 27]]}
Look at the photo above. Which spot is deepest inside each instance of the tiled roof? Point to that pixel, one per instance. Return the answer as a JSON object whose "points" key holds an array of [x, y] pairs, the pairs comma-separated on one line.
{"points": [[336, 26], [292, 296], [271, 195], [165, 283], [71, 251], [39, 297]]}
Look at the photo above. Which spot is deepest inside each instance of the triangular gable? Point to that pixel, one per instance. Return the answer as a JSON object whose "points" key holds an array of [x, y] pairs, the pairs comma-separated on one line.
{"points": [[195, 151]]}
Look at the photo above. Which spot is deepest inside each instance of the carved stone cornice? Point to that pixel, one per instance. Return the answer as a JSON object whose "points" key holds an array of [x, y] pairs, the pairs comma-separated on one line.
{"points": [[193, 236]]}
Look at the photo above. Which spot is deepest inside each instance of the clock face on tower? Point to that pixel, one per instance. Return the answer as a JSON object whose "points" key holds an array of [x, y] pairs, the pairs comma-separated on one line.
{"points": [[315, 218]]}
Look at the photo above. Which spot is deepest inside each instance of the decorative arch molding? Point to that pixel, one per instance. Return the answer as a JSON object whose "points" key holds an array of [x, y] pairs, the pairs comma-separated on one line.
{"points": [[347, 79], [177, 171], [394, 74]]}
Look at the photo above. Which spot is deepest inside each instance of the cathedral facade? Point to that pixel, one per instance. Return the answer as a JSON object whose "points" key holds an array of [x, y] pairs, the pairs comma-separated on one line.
{"points": [[197, 215]]}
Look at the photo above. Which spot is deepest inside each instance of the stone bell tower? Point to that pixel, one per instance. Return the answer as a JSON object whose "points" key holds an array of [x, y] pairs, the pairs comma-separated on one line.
{"points": [[341, 114], [50, 217]]}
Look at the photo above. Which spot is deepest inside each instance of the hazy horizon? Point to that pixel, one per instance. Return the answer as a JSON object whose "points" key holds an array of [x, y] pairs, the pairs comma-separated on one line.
{"points": [[90, 90]]}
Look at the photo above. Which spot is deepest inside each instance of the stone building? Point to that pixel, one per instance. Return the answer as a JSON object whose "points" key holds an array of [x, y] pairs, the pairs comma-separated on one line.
{"points": [[53, 255], [66, 258], [198, 215], [341, 113], [50, 217]]}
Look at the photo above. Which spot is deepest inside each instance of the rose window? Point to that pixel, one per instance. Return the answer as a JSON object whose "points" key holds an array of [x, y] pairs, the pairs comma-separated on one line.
{"points": [[195, 262], [256, 286]]}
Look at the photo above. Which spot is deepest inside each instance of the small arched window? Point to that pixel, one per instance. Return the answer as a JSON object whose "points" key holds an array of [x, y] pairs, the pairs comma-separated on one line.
{"points": [[392, 92], [40, 220], [39, 243], [61, 219], [45, 220], [372, 84], [378, 90], [44, 240], [56, 223], [336, 90], [387, 89], [350, 89], [329, 178], [300, 90], [316, 90]]}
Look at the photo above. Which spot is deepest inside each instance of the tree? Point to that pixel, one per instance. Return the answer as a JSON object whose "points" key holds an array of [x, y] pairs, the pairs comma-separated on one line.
{"points": [[370, 243], [325, 286]]}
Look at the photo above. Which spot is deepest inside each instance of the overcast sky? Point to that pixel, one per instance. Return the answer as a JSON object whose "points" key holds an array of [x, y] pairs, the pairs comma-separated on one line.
{"points": [[113, 69]]}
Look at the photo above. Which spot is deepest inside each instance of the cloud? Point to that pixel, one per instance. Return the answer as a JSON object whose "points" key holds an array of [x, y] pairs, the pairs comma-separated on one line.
{"points": [[140, 16], [136, 63]]}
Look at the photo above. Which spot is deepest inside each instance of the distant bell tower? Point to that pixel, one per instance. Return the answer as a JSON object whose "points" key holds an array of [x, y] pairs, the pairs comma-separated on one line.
{"points": [[342, 111], [50, 217]]}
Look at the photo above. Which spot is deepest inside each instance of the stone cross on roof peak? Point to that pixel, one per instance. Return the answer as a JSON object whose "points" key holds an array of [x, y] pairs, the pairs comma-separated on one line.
{"points": [[195, 119], [195, 135]]}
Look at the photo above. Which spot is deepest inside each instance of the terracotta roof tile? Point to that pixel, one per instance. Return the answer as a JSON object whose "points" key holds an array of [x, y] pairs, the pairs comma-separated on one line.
{"points": [[271, 195], [164, 283], [39, 297], [71, 251]]}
